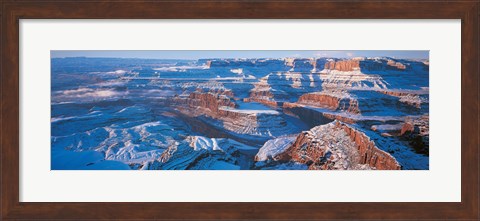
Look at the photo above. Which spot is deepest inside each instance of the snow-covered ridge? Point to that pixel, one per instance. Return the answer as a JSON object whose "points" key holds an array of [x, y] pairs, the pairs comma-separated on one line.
{"points": [[179, 68], [200, 142], [199, 152], [351, 80], [333, 146], [272, 148]]}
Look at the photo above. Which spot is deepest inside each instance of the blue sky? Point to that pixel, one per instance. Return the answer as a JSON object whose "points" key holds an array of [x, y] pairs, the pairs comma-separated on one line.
{"points": [[190, 55]]}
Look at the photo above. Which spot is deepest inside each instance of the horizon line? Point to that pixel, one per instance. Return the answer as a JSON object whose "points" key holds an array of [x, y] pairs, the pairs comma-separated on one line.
{"points": [[228, 58]]}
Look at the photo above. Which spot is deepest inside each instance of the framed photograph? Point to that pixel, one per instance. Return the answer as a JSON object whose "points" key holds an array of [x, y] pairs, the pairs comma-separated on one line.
{"points": [[239, 110]]}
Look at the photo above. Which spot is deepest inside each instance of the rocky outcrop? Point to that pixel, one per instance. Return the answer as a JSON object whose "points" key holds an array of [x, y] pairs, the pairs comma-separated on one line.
{"points": [[262, 93], [417, 133], [208, 64], [319, 64], [363, 64], [381, 64], [369, 152], [395, 64], [320, 100], [337, 146], [302, 64], [289, 62], [262, 123], [341, 118], [410, 98], [343, 65], [262, 88], [335, 100], [202, 153], [274, 147], [407, 127], [351, 79], [209, 100], [226, 92], [199, 103], [258, 123]]}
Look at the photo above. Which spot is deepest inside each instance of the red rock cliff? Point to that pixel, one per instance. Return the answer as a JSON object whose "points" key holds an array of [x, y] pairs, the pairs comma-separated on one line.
{"points": [[343, 65], [209, 100], [212, 105], [330, 101], [324, 147], [397, 65], [369, 152]]}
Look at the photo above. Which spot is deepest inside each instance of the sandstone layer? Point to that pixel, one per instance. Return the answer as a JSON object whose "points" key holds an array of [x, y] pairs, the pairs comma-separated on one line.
{"points": [[338, 146], [332, 100], [222, 108], [343, 65]]}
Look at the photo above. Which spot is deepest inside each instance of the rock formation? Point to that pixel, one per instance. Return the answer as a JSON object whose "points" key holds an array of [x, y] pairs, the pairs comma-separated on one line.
{"points": [[262, 93], [410, 98], [220, 107], [397, 65], [198, 152], [343, 65], [416, 132], [209, 100], [335, 100], [337, 146]]}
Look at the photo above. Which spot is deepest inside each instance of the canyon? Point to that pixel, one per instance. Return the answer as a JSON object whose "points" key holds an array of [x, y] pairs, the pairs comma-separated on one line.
{"points": [[357, 113]]}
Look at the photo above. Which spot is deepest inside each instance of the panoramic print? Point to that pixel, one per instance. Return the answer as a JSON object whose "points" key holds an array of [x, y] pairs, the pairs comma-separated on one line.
{"points": [[239, 110]]}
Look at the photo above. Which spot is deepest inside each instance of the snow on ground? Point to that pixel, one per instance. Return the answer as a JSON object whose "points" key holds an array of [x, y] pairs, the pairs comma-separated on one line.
{"points": [[274, 147], [251, 112], [200, 142], [198, 152], [404, 154], [86, 94], [412, 99], [338, 143], [387, 127], [351, 79], [179, 68], [340, 150], [84, 160], [296, 79], [334, 93], [237, 71]]}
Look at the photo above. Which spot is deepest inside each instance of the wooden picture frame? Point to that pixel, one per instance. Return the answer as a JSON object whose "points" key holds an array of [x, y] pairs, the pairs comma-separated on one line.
{"points": [[12, 11]]}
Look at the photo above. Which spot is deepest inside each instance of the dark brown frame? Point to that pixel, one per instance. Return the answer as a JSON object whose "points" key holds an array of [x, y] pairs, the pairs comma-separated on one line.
{"points": [[12, 11]]}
